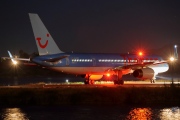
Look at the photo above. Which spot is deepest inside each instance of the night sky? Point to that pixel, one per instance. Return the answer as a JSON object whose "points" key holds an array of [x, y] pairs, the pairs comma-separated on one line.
{"points": [[91, 26]]}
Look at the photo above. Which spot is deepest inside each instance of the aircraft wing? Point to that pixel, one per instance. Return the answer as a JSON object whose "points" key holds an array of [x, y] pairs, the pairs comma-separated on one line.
{"points": [[14, 60], [21, 59], [130, 68], [138, 66], [133, 66]]}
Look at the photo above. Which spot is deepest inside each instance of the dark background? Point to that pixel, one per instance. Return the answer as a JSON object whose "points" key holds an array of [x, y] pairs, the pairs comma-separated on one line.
{"points": [[93, 26]]}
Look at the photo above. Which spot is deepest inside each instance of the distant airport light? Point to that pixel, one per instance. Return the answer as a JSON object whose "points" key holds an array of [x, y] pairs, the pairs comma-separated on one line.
{"points": [[67, 80], [171, 59]]}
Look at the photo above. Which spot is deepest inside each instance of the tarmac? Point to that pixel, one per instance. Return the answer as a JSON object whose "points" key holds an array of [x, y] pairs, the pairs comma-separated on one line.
{"points": [[98, 84]]}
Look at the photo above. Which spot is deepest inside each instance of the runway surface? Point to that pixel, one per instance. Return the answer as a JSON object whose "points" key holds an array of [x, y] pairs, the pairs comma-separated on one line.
{"points": [[99, 84]]}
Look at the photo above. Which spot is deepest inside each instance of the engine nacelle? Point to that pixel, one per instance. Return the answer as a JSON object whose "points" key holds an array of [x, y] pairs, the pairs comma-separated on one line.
{"points": [[92, 77], [95, 77], [144, 73]]}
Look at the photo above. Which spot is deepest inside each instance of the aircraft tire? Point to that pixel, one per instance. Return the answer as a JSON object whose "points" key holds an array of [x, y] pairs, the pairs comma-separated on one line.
{"points": [[86, 82], [115, 82], [122, 82], [118, 82]]}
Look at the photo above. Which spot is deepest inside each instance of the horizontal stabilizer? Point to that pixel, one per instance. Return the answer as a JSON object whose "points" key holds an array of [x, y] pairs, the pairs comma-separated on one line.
{"points": [[56, 59]]}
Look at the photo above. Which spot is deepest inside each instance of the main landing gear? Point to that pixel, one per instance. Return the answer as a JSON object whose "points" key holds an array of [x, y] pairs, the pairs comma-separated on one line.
{"points": [[119, 80], [152, 80], [88, 81]]}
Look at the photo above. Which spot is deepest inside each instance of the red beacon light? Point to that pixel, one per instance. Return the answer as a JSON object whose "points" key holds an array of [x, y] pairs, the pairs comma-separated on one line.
{"points": [[140, 53], [108, 75]]}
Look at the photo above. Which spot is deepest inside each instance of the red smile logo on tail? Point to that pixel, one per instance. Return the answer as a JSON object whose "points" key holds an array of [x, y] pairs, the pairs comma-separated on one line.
{"points": [[40, 44]]}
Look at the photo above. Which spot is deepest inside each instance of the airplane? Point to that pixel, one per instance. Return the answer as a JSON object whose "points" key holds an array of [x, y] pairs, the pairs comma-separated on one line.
{"points": [[92, 66]]}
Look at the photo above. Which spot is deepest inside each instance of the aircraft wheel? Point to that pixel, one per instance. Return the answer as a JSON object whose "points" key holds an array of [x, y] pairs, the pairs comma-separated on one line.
{"points": [[115, 82], [152, 81], [122, 82], [92, 82], [119, 82], [86, 82]]}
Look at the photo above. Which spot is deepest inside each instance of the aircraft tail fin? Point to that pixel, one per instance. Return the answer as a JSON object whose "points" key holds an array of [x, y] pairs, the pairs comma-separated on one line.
{"points": [[175, 52], [44, 41]]}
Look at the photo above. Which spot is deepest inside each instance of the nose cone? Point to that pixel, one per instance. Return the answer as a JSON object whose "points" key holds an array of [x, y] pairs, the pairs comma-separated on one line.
{"points": [[165, 67]]}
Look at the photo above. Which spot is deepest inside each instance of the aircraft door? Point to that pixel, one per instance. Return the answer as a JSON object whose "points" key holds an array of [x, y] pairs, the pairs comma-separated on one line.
{"points": [[67, 61], [94, 61], [125, 60]]}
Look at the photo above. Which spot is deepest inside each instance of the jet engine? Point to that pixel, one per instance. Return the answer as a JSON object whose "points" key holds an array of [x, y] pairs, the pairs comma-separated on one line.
{"points": [[95, 77], [144, 73], [92, 77]]}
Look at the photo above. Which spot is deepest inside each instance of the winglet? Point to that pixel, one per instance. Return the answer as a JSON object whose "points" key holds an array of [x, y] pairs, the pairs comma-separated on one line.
{"points": [[12, 58]]}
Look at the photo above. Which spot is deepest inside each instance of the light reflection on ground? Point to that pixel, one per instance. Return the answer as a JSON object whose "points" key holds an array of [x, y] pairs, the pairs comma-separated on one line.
{"points": [[170, 113], [89, 113], [13, 114], [140, 114]]}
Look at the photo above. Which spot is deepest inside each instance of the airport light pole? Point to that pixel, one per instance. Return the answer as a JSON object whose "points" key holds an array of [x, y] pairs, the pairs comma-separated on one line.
{"points": [[172, 62], [172, 68]]}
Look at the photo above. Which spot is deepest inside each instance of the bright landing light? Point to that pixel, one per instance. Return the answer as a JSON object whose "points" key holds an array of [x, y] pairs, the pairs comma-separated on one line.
{"points": [[14, 62], [172, 59]]}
